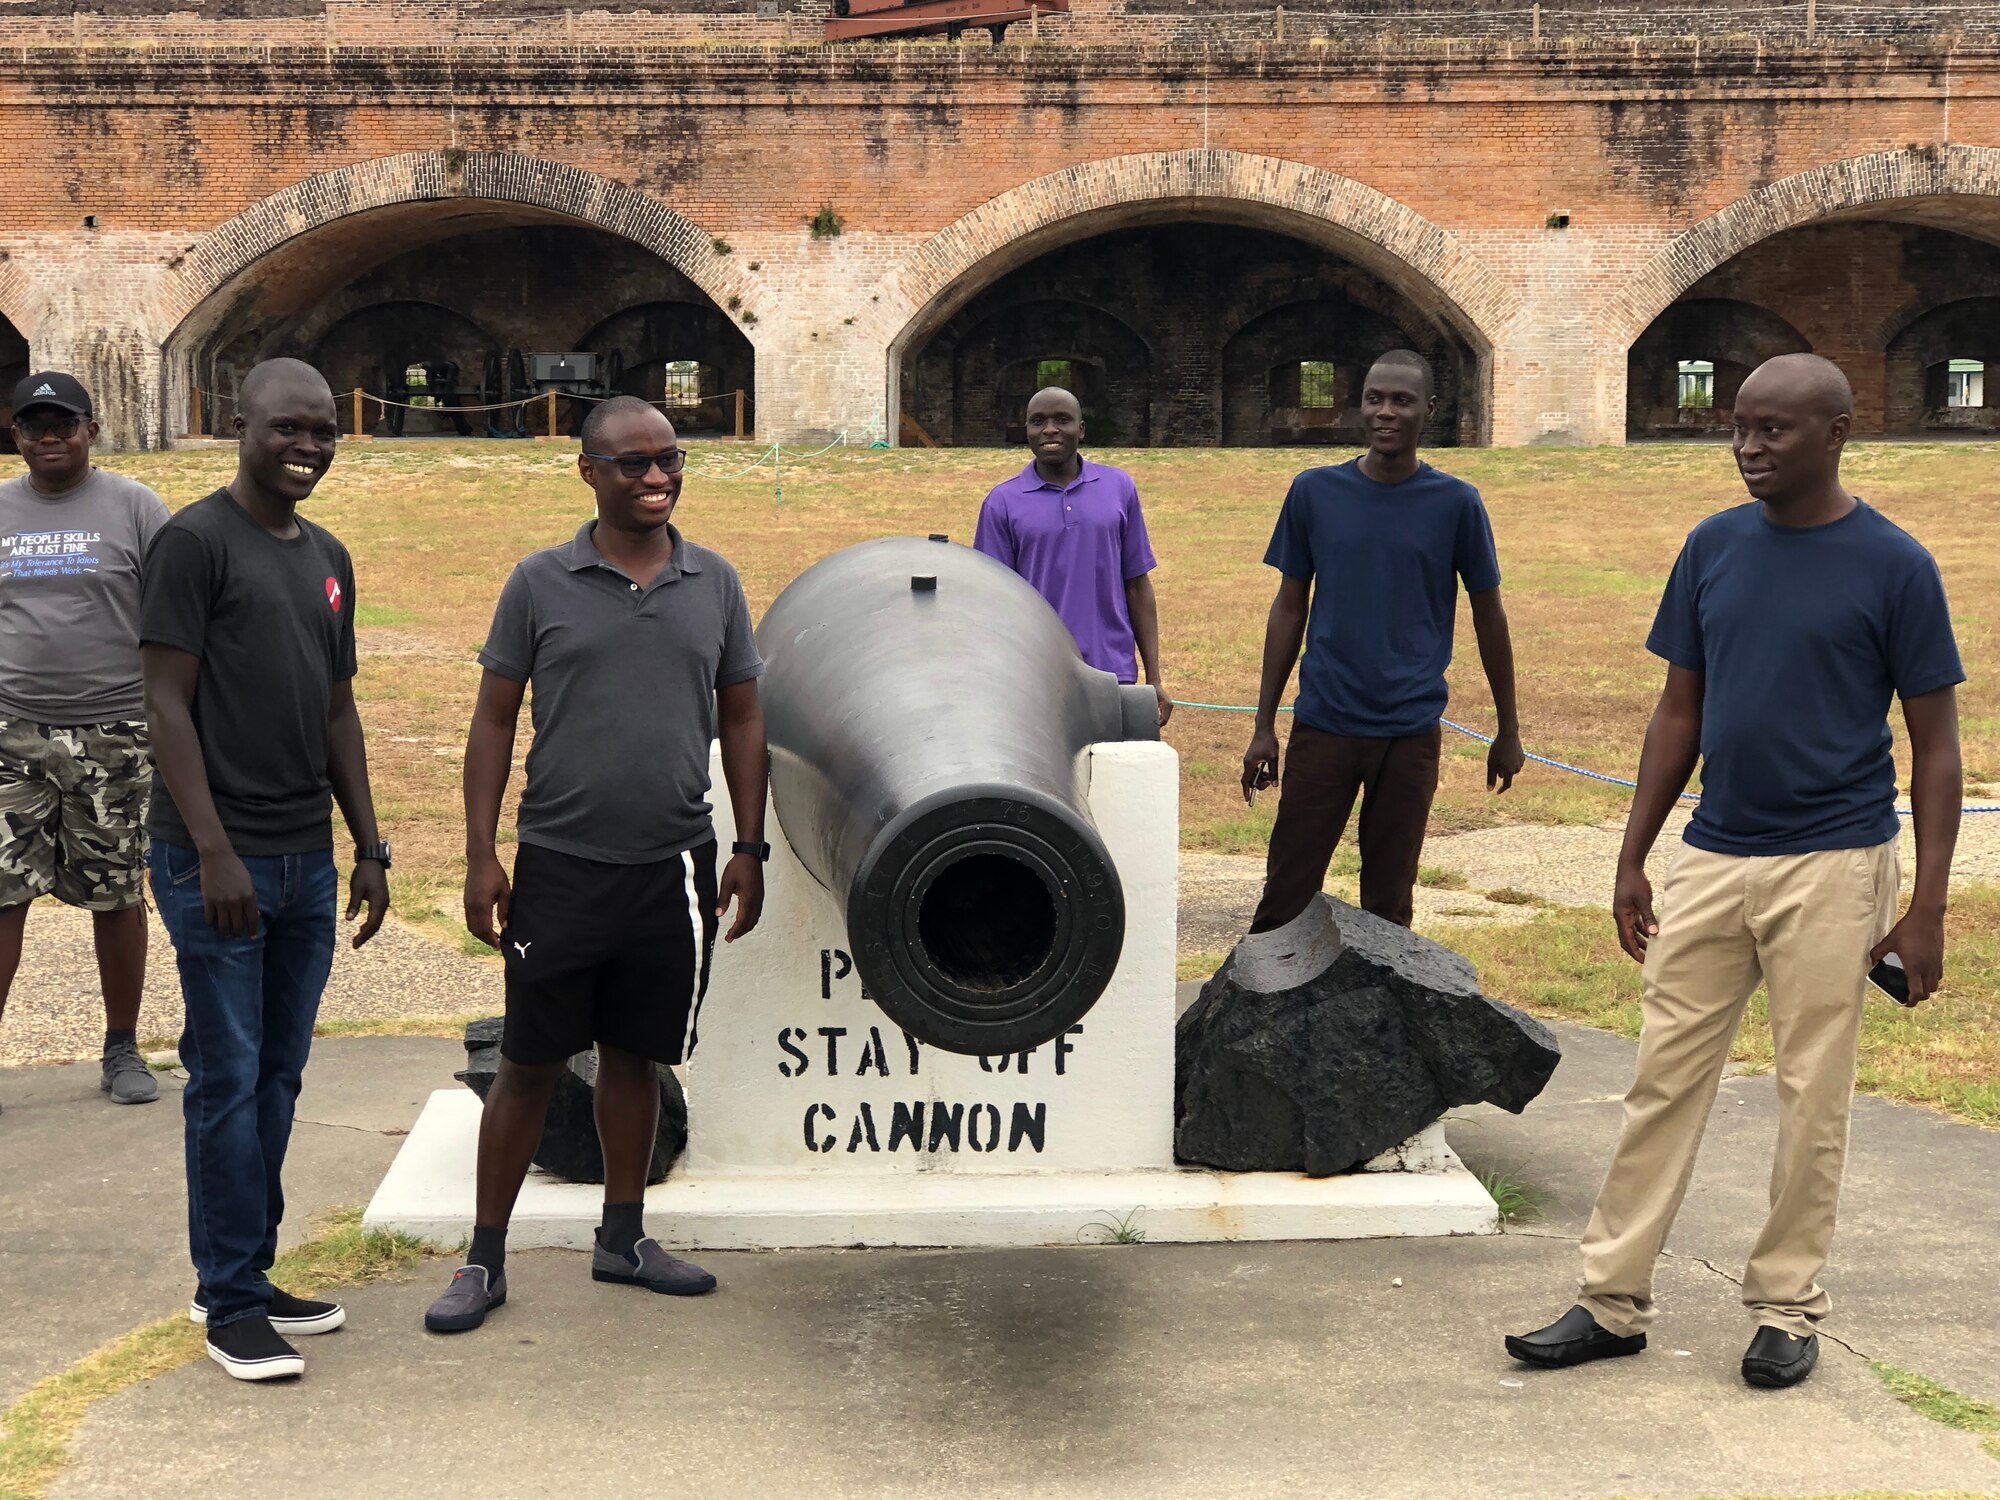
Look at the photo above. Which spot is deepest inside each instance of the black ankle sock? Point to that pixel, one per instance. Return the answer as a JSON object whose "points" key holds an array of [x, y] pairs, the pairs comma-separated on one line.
{"points": [[623, 1227], [489, 1249], [114, 1038]]}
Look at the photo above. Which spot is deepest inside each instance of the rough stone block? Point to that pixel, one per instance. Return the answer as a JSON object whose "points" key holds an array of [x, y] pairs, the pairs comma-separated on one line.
{"points": [[569, 1145], [1337, 1037]]}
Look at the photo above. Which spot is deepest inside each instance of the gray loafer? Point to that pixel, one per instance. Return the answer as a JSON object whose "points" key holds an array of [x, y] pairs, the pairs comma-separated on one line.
{"points": [[126, 1078], [466, 1302], [648, 1265]]}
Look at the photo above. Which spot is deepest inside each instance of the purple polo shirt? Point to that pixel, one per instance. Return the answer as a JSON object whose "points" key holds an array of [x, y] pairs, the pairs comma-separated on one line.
{"points": [[1077, 545]]}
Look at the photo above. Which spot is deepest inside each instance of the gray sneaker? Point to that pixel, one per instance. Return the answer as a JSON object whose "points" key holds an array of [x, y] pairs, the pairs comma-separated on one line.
{"points": [[126, 1077], [648, 1265], [466, 1302]]}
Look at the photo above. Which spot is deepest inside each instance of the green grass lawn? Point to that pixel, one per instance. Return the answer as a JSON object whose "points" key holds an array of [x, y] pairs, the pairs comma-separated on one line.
{"points": [[1586, 537]]}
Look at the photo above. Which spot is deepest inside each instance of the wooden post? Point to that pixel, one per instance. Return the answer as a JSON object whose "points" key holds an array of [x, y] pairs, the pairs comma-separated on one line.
{"points": [[1537, 23], [739, 413], [552, 413], [357, 413], [194, 412]]}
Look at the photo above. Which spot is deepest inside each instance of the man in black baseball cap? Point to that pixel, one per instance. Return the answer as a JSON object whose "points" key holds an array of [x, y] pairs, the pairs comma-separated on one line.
{"points": [[75, 768], [52, 388]]}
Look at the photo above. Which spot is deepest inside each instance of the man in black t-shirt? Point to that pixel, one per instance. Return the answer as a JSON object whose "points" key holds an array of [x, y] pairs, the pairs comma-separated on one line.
{"points": [[247, 647]]}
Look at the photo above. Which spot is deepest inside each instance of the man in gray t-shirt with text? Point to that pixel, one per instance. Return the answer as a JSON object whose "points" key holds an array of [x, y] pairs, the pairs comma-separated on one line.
{"points": [[75, 772]]}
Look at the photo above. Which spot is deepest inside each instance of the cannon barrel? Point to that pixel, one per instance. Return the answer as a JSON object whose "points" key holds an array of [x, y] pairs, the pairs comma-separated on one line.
{"points": [[928, 714]]}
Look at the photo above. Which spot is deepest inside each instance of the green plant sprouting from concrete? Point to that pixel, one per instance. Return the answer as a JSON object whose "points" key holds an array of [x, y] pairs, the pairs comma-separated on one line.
{"points": [[1117, 1229], [1517, 1201]]}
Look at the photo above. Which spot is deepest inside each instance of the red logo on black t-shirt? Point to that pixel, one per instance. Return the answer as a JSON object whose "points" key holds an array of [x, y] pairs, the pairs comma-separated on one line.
{"points": [[333, 594]]}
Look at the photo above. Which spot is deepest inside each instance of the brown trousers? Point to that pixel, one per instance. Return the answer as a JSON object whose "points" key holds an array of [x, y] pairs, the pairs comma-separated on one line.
{"points": [[1803, 924], [1396, 779]]}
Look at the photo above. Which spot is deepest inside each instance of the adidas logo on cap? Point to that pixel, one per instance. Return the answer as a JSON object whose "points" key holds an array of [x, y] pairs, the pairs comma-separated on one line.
{"points": [[45, 389]]}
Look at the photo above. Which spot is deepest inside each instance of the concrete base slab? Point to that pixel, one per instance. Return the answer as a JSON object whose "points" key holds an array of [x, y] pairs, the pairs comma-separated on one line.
{"points": [[1423, 1191]]}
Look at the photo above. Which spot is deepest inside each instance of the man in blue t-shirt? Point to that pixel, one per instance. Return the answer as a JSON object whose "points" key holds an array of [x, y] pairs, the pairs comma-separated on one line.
{"points": [[1787, 626], [1379, 544]]}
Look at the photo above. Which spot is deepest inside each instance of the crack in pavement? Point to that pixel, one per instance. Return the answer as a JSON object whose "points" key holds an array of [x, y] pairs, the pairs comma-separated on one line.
{"points": [[1737, 1281], [343, 1125]]}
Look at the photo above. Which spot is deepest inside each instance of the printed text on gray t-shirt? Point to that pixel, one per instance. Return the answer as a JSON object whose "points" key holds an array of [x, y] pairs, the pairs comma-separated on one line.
{"points": [[70, 568]]}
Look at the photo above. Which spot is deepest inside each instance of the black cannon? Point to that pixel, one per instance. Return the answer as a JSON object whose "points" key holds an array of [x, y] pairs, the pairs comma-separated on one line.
{"points": [[928, 715]]}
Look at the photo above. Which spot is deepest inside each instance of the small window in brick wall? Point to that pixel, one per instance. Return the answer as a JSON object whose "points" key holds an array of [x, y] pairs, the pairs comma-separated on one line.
{"points": [[1697, 385], [417, 381], [1965, 383], [683, 382], [1319, 387], [1056, 372]]}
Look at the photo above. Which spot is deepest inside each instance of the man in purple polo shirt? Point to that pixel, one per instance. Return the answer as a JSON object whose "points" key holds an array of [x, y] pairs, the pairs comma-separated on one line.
{"points": [[1074, 530]]}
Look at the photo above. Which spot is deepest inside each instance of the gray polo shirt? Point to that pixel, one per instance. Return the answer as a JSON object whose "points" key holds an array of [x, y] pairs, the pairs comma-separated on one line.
{"points": [[70, 567], [623, 682]]}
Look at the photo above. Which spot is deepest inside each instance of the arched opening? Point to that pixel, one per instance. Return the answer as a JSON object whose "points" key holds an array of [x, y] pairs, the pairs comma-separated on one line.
{"points": [[1682, 373], [1294, 374], [1180, 334], [14, 359], [970, 385], [1944, 370], [686, 354], [1880, 262], [439, 306]]}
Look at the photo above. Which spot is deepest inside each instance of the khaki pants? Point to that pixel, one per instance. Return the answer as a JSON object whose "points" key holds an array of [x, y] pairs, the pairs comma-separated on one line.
{"points": [[1803, 924]]}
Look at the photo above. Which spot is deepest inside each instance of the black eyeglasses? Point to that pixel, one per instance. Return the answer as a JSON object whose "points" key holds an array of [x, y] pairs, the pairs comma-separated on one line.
{"points": [[637, 465], [34, 429]]}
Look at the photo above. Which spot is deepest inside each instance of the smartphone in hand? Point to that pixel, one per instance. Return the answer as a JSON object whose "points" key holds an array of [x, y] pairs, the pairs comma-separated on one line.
{"points": [[1888, 977]]}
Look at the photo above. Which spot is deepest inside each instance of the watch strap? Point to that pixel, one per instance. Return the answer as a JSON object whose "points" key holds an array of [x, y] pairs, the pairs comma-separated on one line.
{"points": [[762, 851]]}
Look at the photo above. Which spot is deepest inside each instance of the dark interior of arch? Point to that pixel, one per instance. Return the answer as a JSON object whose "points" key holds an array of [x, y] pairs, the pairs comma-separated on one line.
{"points": [[1888, 299], [1184, 335], [456, 303], [13, 366]]}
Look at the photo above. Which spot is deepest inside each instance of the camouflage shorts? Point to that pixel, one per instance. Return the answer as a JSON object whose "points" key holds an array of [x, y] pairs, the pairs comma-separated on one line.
{"points": [[73, 813]]}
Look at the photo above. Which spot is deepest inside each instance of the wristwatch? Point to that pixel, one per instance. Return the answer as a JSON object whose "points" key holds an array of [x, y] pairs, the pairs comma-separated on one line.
{"points": [[762, 851], [377, 852]]}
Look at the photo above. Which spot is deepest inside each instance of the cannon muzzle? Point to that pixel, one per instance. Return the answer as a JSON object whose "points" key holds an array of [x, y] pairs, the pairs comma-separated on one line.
{"points": [[928, 715]]}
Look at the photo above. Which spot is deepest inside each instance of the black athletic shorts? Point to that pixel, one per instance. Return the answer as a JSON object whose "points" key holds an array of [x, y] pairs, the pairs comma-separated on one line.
{"points": [[616, 954]]}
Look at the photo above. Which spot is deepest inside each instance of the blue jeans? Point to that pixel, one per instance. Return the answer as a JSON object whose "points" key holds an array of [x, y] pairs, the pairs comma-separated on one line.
{"points": [[250, 1003]]}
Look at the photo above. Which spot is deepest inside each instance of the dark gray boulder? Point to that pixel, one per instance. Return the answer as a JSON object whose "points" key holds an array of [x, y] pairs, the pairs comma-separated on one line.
{"points": [[569, 1146], [1325, 1043]]}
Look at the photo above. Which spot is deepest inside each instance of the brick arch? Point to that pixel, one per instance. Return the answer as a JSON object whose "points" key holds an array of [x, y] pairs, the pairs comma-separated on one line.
{"points": [[554, 188], [1426, 263], [1881, 180], [22, 303]]}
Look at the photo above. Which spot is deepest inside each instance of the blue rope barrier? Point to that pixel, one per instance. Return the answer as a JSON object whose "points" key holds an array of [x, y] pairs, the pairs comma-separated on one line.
{"points": [[1560, 765]]}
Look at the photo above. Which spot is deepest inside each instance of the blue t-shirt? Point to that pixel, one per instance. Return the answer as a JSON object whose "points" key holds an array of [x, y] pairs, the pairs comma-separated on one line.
{"points": [[1384, 561], [1802, 634]]}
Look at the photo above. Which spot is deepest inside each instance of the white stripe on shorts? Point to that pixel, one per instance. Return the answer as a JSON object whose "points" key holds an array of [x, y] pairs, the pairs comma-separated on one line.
{"points": [[694, 931]]}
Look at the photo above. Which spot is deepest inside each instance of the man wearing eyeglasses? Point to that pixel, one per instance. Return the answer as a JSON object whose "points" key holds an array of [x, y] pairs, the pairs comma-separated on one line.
{"points": [[74, 769], [639, 647]]}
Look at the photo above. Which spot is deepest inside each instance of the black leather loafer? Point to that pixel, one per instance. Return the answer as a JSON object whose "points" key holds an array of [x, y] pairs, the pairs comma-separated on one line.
{"points": [[1573, 1339], [1776, 1359]]}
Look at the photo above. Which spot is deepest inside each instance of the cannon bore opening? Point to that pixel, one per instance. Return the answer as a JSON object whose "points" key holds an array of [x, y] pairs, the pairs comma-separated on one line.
{"points": [[988, 922]]}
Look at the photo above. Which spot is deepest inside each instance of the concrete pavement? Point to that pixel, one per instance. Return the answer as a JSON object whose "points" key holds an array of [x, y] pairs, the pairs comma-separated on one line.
{"points": [[1142, 1370]]}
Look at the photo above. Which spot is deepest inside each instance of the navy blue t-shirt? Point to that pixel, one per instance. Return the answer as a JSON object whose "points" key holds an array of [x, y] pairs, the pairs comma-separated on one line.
{"points": [[1384, 561], [1802, 634]]}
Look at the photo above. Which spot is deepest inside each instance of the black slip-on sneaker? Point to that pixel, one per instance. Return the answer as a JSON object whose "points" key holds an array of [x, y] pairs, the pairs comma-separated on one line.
{"points": [[647, 1264], [1573, 1339], [1776, 1359], [474, 1292], [250, 1349], [292, 1317]]}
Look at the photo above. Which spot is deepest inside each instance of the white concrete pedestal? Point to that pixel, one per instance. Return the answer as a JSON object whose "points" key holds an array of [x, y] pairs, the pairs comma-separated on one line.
{"points": [[813, 1120]]}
